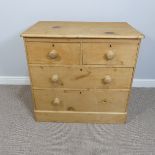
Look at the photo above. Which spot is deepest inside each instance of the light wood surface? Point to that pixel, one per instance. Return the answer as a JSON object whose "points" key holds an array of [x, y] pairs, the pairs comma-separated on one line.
{"points": [[80, 117], [67, 53], [80, 77], [82, 30], [110, 54], [81, 40], [81, 71], [81, 100]]}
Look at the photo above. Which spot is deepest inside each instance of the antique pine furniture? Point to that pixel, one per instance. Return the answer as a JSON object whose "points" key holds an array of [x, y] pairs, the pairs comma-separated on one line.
{"points": [[81, 71]]}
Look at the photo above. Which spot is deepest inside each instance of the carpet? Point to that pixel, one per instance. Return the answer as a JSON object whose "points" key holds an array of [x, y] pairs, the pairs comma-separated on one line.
{"points": [[21, 135]]}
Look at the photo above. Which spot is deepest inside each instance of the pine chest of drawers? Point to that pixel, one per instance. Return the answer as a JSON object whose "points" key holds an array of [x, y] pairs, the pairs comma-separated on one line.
{"points": [[81, 71]]}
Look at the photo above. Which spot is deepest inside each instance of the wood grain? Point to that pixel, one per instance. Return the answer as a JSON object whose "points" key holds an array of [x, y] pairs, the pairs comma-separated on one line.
{"points": [[86, 40], [124, 54], [68, 53], [81, 100], [81, 71], [81, 117], [60, 29], [80, 77]]}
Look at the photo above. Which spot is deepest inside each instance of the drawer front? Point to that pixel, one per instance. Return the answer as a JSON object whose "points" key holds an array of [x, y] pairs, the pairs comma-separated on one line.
{"points": [[80, 77], [81, 100], [112, 54], [53, 53]]}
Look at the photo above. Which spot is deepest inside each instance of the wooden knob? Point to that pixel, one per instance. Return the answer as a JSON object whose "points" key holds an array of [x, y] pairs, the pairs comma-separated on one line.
{"points": [[107, 79], [55, 78], [110, 55], [56, 101], [53, 54]]}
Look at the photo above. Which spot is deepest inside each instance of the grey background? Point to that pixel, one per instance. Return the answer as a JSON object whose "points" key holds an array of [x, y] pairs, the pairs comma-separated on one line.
{"points": [[17, 15]]}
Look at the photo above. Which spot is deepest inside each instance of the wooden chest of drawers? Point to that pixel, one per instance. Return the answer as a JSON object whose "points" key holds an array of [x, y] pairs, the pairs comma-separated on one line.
{"points": [[81, 71]]}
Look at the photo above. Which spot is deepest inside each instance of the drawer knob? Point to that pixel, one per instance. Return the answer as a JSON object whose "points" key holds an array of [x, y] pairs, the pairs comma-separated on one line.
{"points": [[107, 79], [55, 78], [53, 54], [110, 55], [56, 101]]}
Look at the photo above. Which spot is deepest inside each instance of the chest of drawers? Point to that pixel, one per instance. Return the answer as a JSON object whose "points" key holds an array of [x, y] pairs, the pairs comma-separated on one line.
{"points": [[81, 71]]}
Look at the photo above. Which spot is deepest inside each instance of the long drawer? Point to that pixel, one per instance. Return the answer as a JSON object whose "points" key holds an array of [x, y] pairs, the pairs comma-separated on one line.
{"points": [[81, 100], [80, 77]]}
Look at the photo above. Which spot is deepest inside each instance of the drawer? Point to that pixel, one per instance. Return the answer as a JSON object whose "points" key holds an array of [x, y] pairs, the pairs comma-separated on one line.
{"points": [[81, 100], [80, 77], [111, 54], [53, 53]]}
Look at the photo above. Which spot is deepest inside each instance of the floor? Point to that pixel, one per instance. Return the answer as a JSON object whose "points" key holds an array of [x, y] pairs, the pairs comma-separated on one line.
{"points": [[21, 135]]}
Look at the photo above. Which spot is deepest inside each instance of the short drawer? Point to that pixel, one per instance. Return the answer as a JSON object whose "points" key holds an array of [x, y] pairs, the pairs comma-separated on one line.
{"points": [[80, 77], [110, 54], [53, 53], [81, 100]]}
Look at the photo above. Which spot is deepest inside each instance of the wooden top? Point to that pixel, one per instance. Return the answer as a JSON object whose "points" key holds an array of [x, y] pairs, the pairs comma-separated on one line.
{"points": [[58, 29]]}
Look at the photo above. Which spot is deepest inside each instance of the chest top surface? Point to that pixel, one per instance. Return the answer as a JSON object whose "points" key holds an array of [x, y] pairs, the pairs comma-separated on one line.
{"points": [[60, 29]]}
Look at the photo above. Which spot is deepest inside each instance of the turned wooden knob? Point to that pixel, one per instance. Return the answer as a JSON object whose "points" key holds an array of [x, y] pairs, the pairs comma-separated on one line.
{"points": [[110, 55], [55, 78], [107, 79], [56, 101], [53, 54]]}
